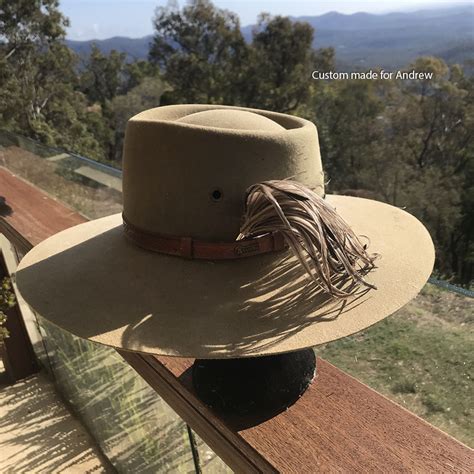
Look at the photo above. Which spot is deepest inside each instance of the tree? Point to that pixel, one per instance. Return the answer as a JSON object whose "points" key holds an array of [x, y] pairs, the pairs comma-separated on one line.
{"points": [[278, 69], [38, 96], [30, 56], [432, 127], [105, 78], [347, 115], [201, 51], [206, 60], [102, 78], [408, 143], [144, 96], [136, 71], [463, 240]]}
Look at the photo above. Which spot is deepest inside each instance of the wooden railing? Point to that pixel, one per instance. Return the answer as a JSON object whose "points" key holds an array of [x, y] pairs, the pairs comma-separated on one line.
{"points": [[339, 425]]}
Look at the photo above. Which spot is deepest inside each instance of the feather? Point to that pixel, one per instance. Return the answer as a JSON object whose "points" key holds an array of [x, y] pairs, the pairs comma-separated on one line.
{"points": [[324, 244]]}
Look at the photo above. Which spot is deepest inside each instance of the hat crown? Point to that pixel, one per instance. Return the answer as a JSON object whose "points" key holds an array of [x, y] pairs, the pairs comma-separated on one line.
{"points": [[186, 168], [232, 119]]}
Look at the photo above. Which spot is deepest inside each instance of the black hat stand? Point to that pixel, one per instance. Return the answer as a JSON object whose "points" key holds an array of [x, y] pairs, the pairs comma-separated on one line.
{"points": [[253, 389]]}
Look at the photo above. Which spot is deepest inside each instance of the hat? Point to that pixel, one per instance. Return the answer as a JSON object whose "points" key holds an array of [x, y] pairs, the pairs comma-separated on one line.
{"points": [[227, 245]]}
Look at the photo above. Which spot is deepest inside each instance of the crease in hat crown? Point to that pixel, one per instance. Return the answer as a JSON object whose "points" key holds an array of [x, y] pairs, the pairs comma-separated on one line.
{"points": [[232, 120], [177, 159]]}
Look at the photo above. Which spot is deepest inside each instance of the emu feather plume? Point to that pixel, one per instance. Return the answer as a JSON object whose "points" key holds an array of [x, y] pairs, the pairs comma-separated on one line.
{"points": [[326, 247]]}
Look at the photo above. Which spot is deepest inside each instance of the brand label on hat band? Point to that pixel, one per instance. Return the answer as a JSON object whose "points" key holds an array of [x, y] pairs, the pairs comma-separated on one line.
{"points": [[250, 248]]}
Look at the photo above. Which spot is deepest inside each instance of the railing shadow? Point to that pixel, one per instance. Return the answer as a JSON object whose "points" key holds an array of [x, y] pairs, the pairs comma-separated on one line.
{"points": [[36, 434]]}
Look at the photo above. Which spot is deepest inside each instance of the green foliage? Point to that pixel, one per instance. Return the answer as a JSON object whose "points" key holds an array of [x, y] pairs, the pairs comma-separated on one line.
{"points": [[25, 22], [38, 96], [346, 115], [408, 143], [116, 89], [137, 71], [144, 96], [201, 50], [205, 59], [102, 77], [7, 301], [280, 61]]}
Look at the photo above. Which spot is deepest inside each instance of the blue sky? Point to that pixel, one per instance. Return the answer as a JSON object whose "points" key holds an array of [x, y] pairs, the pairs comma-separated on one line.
{"points": [[100, 19]]}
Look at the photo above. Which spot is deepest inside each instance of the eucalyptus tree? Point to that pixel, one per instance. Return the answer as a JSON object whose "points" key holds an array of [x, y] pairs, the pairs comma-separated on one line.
{"points": [[38, 80]]}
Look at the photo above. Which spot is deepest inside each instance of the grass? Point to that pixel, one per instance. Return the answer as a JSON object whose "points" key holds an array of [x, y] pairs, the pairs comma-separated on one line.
{"points": [[422, 357], [58, 180]]}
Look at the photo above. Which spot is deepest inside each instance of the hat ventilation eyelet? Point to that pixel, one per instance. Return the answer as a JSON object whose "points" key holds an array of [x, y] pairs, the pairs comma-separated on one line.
{"points": [[216, 195]]}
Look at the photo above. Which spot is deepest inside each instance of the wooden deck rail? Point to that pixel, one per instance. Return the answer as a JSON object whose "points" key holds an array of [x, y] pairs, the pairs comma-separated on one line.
{"points": [[339, 425]]}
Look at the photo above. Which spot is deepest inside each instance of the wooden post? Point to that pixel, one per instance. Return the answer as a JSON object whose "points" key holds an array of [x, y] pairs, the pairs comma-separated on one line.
{"points": [[17, 354]]}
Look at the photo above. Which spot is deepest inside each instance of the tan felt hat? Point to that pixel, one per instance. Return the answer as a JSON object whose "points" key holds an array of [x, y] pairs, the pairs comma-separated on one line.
{"points": [[174, 281]]}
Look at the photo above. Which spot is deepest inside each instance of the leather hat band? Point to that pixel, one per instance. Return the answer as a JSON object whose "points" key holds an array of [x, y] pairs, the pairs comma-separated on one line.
{"points": [[188, 247]]}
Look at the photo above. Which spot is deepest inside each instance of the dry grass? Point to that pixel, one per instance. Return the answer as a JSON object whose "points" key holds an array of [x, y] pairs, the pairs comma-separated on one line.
{"points": [[422, 357], [58, 179]]}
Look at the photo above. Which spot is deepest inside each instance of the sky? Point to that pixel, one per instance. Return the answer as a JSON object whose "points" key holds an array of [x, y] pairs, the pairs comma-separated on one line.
{"points": [[99, 19]]}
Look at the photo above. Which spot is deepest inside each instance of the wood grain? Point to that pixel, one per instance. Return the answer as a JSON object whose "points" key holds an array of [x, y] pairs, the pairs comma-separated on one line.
{"points": [[339, 425], [30, 215], [342, 425]]}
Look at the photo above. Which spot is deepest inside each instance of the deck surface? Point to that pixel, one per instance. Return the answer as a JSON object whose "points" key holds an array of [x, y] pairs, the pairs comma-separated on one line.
{"points": [[38, 434]]}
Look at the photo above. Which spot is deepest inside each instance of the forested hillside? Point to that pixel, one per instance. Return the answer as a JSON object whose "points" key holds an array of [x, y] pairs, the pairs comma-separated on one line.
{"points": [[409, 143], [361, 40], [394, 39]]}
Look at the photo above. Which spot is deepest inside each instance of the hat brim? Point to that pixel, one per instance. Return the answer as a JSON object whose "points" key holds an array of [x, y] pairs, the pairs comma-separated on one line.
{"points": [[91, 281]]}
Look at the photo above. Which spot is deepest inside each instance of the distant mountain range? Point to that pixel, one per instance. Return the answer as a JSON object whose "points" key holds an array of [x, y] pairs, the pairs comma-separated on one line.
{"points": [[361, 40]]}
